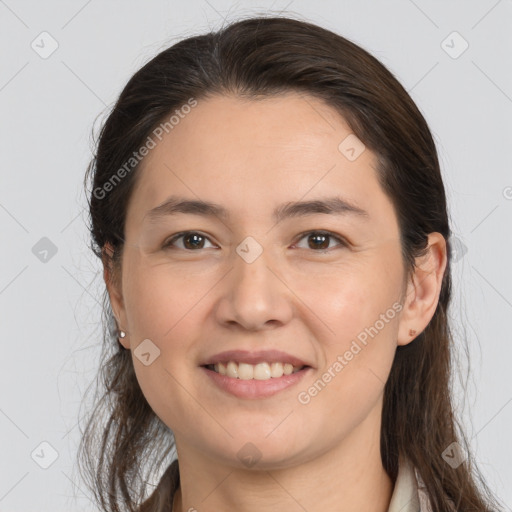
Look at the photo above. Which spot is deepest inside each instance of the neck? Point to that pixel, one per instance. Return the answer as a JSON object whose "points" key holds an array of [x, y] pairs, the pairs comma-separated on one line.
{"points": [[347, 478]]}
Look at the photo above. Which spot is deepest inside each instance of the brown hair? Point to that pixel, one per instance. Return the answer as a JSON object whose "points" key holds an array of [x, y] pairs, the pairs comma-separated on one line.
{"points": [[260, 57]]}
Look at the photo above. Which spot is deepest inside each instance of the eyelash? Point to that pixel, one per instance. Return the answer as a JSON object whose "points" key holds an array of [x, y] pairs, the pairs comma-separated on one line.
{"points": [[169, 243]]}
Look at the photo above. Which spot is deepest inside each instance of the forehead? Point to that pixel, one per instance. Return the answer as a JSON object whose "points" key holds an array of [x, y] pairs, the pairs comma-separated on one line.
{"points": [[254, 155], [233, 137]]}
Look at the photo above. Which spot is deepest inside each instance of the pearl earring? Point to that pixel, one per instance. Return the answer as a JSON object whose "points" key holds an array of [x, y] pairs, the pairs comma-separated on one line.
{"points": [[122, 334]]}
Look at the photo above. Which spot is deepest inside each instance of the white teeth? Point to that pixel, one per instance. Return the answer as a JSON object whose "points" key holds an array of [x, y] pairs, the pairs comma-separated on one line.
{"points": [[276, 370], [260, 371], [232, 369], [245, 371]]}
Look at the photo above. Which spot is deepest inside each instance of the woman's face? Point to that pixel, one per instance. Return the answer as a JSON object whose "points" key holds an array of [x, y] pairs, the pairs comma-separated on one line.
{"points": [[251, 281]]}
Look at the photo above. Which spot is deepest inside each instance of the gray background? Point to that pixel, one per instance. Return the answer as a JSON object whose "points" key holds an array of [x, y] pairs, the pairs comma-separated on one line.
{"points": [[49, 302]]}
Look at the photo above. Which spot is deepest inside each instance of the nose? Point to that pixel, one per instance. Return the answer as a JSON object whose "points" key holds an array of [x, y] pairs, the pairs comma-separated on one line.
{"points": [[253, 295]]}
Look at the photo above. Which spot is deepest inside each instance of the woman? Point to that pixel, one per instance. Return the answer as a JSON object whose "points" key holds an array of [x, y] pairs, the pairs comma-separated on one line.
{"points": [[268, 206]]}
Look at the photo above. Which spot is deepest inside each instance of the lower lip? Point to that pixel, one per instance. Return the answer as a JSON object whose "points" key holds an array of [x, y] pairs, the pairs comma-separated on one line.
{"points": [[254, 388]]}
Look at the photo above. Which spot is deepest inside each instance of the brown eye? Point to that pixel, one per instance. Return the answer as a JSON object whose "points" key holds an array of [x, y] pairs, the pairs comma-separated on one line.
{"points": [[192, 240], [320, 240]]}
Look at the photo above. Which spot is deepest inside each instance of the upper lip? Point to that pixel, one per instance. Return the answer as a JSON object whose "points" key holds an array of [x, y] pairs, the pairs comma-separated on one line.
{"points": [[259, 356]]}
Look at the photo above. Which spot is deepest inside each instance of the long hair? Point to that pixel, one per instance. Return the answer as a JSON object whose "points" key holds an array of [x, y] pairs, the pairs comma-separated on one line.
{"points": [[255, 58]]}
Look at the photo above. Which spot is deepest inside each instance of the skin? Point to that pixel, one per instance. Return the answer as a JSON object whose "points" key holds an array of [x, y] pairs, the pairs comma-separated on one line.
{"points": [[251, 156]]}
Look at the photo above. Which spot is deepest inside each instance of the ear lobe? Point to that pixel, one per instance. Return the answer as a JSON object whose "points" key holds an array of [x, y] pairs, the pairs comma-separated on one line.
{"points": [[112, 278], [423, 290]]}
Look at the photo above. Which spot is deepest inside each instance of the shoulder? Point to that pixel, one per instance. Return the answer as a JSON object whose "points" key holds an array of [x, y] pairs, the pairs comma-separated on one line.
{"points": [[409, 493], [423, 499]]}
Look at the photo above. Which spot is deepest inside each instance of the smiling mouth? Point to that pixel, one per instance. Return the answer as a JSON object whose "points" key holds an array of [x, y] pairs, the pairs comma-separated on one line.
{"points": [[260, 371]]}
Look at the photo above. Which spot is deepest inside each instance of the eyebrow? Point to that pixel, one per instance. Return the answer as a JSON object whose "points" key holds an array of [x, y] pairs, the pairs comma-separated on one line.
{"points": [[331, 205]]}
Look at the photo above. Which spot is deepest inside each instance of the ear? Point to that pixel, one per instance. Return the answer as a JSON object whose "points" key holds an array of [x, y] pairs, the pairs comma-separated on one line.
{"points": [[423, 290], [112, 278]]}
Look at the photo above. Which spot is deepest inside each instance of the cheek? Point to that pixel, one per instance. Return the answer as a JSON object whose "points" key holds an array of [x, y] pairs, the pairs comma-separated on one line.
{"points": [[359, 311], [356, 367], [159, 299], [345, 300], [163, 305]]}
